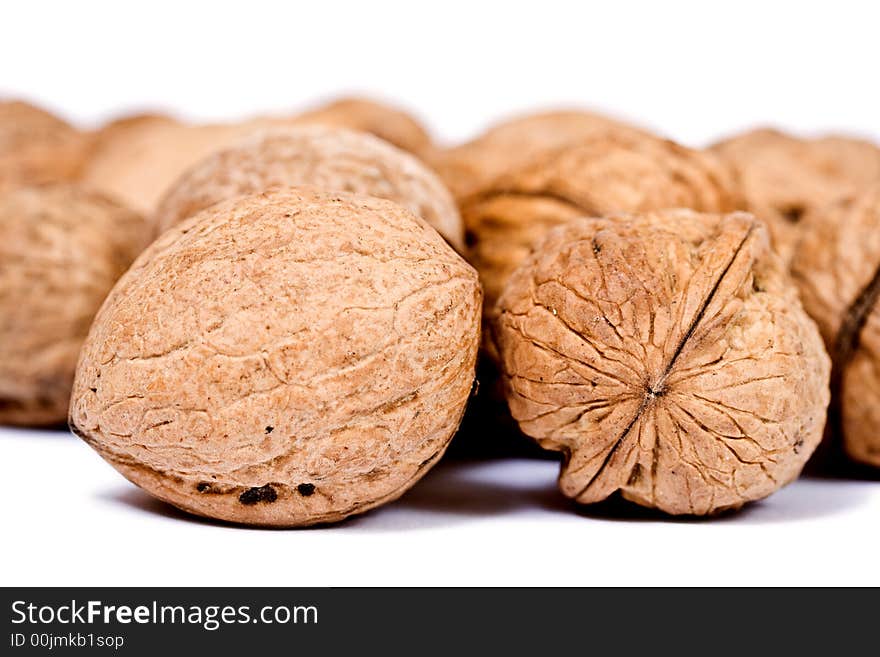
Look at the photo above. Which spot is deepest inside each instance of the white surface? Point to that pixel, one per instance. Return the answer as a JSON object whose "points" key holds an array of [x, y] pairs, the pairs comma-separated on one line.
{"points": [[693, 70], [70, 519]]}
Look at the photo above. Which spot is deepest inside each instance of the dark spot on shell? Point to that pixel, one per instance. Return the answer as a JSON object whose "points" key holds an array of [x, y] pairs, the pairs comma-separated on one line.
{"points": [[203, 487], [793, 213], [93, 389], [270, 429], [258, 494], [305, 489]]}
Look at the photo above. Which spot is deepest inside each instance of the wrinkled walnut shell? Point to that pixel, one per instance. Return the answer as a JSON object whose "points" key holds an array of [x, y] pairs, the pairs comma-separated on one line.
{"points": [[783, 178], [37, 148], [667, 356], [283, 359], [470, 168], [837, 268], [62, 250], [329, 158], [593, 177]]}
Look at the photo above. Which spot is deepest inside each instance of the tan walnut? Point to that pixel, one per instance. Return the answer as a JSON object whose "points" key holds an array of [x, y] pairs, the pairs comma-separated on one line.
{"points": [[37, 148], [837, 268], [784, 177], [330, 158], [471, 167], [667, 356], [62, 250], [282, 359], [137, 158], [592, 177], [386, 122]]}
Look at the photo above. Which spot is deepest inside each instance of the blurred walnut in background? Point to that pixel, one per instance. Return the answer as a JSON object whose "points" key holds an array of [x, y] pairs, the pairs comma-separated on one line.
{"points": [[37, 147], [62, 250], [783, 177], [837, 268]]}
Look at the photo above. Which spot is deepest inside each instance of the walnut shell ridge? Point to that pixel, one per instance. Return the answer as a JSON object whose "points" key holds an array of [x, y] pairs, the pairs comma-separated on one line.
{"points": [[62, 251], [592, 177], [38, 148], [667, 356], [329, 158], [282, 359], [784, 178], [837, 269]]}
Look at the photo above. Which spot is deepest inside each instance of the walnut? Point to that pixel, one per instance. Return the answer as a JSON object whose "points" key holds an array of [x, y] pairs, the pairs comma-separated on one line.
{"points": [[667, 356], [592, 177], [37, 148], [284, 359], [837, 268], [61, 252], [472, 167], [784, 177], [388, 123], [330, 158], [136, 160]]}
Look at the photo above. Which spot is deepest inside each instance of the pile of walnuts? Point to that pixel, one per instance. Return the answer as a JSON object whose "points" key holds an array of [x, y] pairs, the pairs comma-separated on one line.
{"points": [[277, 321]]}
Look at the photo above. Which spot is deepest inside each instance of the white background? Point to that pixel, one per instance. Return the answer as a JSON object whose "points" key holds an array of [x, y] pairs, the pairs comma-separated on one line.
{"points": [[695, 71]]}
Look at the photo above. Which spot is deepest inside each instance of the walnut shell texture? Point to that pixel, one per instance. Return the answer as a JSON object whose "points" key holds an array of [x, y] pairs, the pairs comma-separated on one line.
{"points": [[282, 359], [330, 158], [37, 148], [384, 121], [471, 167], [783, 177], [837, 268], [667, 356], [593, 177], [62, 251]]}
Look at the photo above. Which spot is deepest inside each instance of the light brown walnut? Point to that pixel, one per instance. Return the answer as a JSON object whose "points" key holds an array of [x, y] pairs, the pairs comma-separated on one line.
{"points": [[592, 177], [667, 356], [384, 121], [137, 160], [37, 148], [282, 359], [62, 250], [837, 268], [472, 167], [334, 159], [783, 177]]}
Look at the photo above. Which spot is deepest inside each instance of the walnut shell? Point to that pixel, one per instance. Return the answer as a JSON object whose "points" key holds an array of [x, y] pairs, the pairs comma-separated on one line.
{"points": [[37, 148], [61, 252], [283, 359], [837, 268], [330, 158], [592, 177], [136, 161], [784, 177], [472, 167], [667, 356], [389, 123]]}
